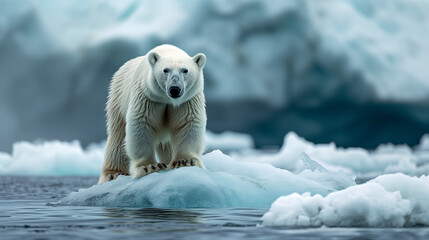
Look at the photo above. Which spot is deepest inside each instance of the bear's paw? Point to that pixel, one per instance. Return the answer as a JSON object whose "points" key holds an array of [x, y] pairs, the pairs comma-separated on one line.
{"points": [[111, 175]]}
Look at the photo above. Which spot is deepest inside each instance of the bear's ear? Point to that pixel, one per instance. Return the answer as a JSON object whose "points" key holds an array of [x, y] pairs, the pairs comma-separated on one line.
{"points": [[200, 60], [153, 58]]}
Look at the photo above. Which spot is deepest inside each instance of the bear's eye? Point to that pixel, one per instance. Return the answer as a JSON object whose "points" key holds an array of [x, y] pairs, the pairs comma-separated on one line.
{"points": [[166, 70], [185, 70]]}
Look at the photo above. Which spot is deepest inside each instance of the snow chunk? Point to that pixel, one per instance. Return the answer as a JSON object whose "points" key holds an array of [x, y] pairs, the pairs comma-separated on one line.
{"points": [[318, 173], [388, 201], [311, 164], [225, 183]]}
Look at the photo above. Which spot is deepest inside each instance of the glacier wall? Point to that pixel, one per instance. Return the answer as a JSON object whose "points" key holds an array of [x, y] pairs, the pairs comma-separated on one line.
{"points": [[352, 72]]}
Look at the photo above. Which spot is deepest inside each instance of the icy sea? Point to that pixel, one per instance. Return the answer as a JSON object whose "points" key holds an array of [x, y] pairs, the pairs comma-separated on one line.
{"points": [[24, 214], [301, 191]]}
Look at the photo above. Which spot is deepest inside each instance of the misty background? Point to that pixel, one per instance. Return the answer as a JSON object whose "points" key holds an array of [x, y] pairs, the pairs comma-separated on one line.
{"points": [[350, 72]]}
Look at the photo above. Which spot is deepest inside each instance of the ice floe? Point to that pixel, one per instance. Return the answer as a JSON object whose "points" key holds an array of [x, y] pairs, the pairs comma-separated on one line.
{"points": [[228, 141], [225, 183], [52, 158], [393, 200], [387, 158]]}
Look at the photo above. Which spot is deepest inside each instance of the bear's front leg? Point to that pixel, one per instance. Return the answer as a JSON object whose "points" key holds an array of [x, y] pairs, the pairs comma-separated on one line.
{"points": [[188, 146], [139, 145]]}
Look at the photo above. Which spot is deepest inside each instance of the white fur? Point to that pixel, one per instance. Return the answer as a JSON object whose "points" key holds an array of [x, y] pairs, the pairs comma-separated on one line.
{"points": [[145, 122]]}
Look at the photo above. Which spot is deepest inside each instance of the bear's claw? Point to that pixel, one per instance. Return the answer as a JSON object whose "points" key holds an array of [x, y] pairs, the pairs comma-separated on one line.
{"points": [[143, 170], [184, 163], [113, 176], [147, 169], [154, 167]]}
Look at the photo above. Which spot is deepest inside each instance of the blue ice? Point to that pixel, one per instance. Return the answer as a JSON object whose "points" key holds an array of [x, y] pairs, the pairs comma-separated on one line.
{"points": [[225, 183]]}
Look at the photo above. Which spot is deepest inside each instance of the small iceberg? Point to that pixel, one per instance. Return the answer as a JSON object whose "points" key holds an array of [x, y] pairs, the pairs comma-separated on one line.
{"points": [[225, 183]]}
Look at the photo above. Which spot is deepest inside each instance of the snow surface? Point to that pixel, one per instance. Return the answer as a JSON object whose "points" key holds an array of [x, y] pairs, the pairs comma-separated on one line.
{"points": [[393, 200]]}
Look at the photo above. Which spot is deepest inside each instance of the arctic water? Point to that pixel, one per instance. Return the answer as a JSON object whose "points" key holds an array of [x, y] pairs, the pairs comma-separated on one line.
{"points": [[25, 215]]}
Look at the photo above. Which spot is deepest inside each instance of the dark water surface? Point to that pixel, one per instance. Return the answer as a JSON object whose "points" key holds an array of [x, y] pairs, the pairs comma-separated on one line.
{"points": [[25, 214]]}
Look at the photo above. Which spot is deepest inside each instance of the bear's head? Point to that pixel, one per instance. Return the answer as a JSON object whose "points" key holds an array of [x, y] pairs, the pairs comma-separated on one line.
{"points": [[178, 75]]}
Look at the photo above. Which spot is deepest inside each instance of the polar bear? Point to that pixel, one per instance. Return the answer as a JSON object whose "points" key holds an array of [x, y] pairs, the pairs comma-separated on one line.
{"points": [[155, 109]]}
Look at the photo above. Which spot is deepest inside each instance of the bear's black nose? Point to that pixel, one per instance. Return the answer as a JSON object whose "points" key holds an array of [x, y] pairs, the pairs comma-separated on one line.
{"points": [[175, 92]]}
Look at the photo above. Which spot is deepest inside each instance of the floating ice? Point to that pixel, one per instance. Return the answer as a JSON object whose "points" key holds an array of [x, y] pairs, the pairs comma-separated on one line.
{"points": [[316, 172], [56, 158], [393, 200], [386, 158], [311, 164], [69, 158], [53, 158], [225, 183], [424, 143], [228, 141]]}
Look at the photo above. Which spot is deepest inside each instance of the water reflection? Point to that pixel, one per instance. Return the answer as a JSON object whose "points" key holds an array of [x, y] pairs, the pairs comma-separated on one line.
{"points": [[156, 214], [210, 217]]}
